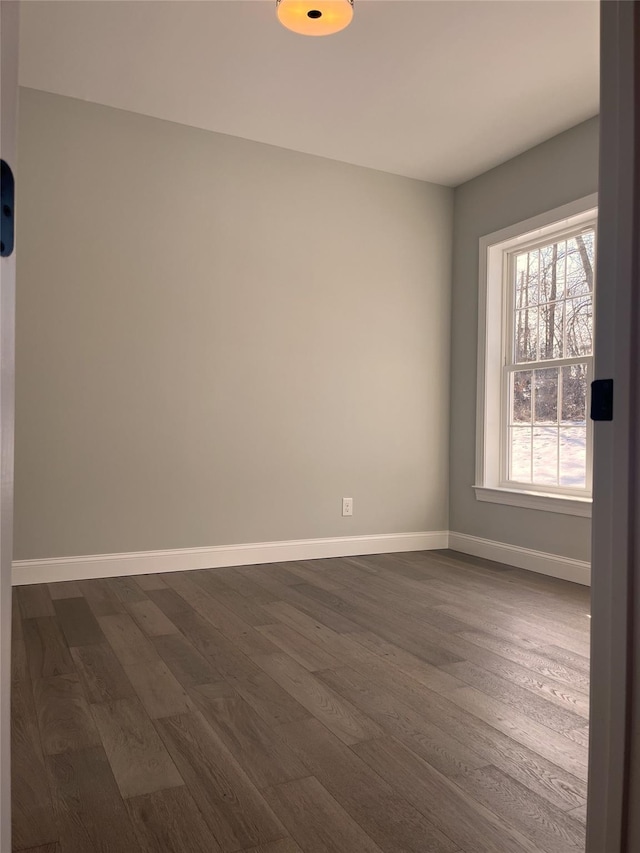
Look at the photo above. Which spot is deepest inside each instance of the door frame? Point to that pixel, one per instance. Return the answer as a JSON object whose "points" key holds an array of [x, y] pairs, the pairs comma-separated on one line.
{"points": [[616, 506], [9, 18]]}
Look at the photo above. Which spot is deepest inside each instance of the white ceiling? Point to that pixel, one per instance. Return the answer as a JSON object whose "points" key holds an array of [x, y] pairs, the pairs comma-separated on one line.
{"points": [[440, 91]]}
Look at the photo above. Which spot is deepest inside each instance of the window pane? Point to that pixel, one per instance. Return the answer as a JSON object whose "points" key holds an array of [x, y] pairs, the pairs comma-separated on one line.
{"points": [[580, 263], [546, 400], [525, 294], [551, 330], [574, 394], [526, 335], [520, 454], [552, 268], [545, 456], [573, 457], [579, 326], [526, 279], [551, 308], [521, 397]]}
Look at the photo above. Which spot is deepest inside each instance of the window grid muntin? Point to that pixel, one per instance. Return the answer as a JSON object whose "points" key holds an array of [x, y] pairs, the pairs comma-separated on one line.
{"points": [[559, 426], [510, 365]]}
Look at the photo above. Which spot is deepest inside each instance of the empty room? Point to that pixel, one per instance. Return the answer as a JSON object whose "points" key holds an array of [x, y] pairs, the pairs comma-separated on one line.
{"points": [[306, 326]]}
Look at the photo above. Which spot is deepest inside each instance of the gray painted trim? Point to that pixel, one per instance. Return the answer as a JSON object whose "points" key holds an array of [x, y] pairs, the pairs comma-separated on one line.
{"points": [[9, 12], [616, 490], [534, 500]]}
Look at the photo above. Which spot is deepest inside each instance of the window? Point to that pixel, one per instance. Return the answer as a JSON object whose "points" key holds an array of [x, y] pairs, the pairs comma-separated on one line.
{"points": [[535, 361]]}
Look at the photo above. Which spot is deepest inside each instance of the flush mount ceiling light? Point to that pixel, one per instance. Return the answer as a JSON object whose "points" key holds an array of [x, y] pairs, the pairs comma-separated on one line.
{"points": [[315, 17]]}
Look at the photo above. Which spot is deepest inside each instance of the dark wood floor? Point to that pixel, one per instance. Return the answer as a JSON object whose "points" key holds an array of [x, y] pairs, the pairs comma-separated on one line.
{"points": [[410, 703]]}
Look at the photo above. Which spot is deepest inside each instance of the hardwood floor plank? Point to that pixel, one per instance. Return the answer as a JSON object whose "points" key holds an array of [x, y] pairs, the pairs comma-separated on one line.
{"points": [[309, 655], [33, 819], [35, 601], [46, 648], [187, 664], [100, 597], [78, 623], [549, 689], [19, 661], [170, 822], [558, 602], [534, 706], [349, 570], [438, 679], [276, 572], [393, 824], [396, 564], [64, 718], [139, 761], [337, 714], [126, 589], [126, 639], [313, 630], [427, 740], [403, 630], [363, 650], [580, 736], [457, 557], [237, 631], [555, 747], [225, 656], [89, 810], [64, 589], [316, 820], [286, 845], [268, 699], [531, 659], [233, 808], [549, 828], [579, 814], [525, 764], [266, 759], [569, 696], [309, 572], [249, 610], [566, 657], [507, 603], [506, 625], [249, 590], [147, 582], [151, 619], [469, 824], [101, 673], [169, 602], [160, 692], [302, 597]]}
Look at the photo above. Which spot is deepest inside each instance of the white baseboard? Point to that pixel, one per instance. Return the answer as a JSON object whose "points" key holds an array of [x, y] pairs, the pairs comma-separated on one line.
{"points": [[184, 559], [577, 571]]}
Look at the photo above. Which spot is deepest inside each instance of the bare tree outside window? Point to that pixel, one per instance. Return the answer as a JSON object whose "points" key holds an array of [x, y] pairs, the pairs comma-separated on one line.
{"points": [[552, 322]]}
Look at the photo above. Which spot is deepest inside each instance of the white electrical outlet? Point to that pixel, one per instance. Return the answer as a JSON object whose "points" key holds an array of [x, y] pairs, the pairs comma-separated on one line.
{"points": [[347, 506]]}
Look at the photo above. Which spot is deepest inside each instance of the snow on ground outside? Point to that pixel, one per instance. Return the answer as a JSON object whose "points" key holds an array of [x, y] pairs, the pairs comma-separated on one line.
{"points": [[572, 447]]}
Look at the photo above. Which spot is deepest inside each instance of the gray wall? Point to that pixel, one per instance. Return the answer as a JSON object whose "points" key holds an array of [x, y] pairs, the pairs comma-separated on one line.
{"points": [[217, 340], [561, 170]]}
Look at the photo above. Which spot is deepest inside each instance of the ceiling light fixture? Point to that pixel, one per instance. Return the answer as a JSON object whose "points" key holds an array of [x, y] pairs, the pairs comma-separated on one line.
{"points": [[315, 17]]}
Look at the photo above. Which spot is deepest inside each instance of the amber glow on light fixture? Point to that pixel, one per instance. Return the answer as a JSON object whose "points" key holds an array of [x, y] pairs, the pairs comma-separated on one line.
{"points": [[315, 17]]}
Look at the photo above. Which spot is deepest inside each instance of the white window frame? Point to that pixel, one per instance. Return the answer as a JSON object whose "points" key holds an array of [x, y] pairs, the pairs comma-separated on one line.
{"points": [[494, 302]]}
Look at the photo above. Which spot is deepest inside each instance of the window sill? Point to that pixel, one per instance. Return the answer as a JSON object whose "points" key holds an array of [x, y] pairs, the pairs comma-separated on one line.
{"points": [[535, 500]]}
